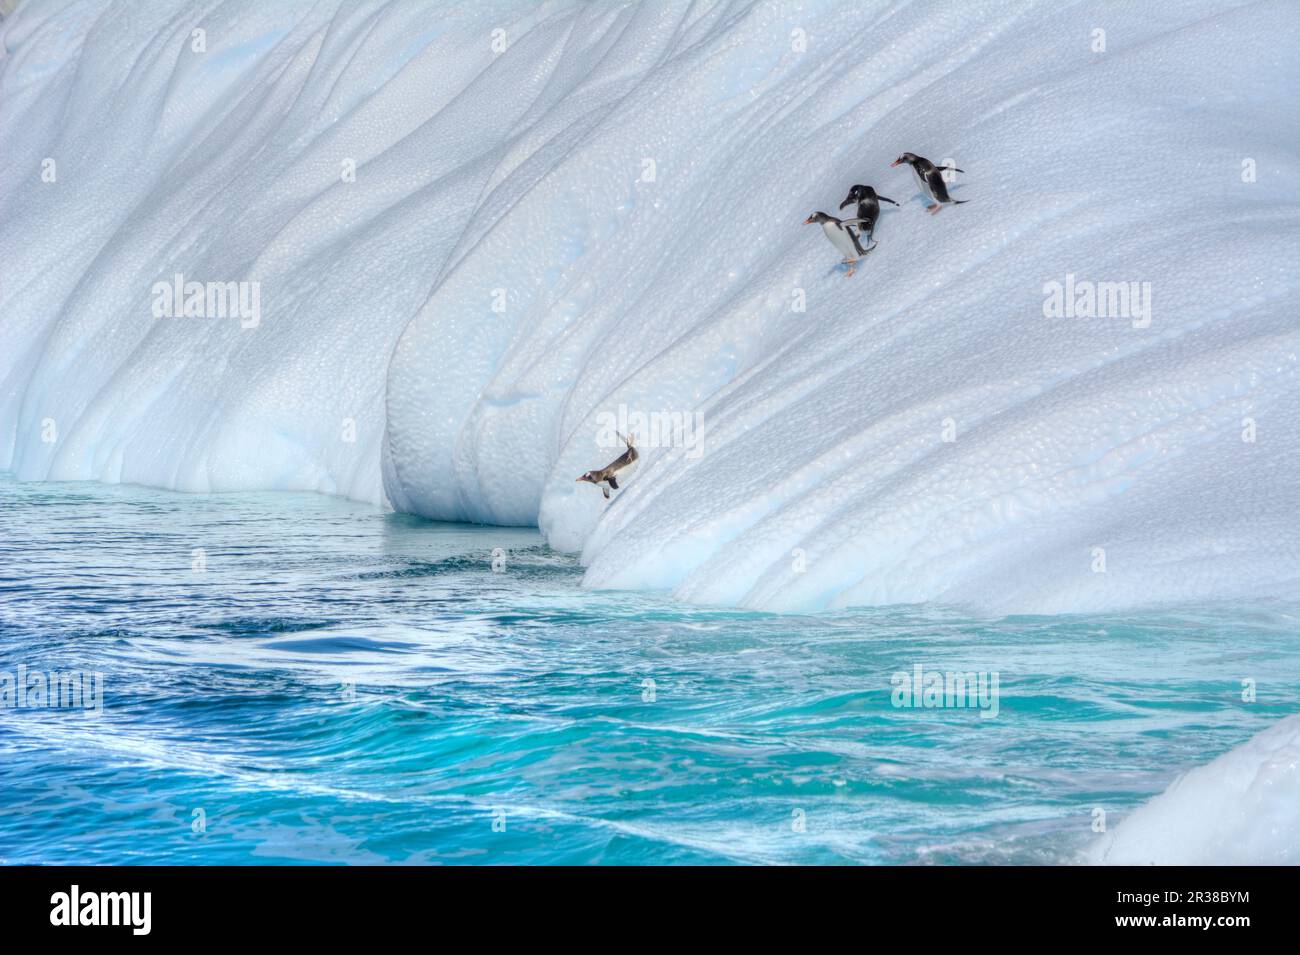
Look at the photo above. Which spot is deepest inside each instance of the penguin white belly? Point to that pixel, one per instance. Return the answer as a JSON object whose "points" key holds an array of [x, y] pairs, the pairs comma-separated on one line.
{"points": [[921, 183], [840, 239]]}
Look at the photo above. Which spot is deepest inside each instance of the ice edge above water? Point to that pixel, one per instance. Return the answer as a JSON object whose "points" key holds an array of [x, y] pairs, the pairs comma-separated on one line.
{"points": [[1241, 809]]}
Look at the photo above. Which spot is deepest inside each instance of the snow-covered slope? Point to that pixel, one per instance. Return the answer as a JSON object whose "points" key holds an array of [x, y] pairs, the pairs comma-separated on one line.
{"points": [[563, 212], [1241, 809]]}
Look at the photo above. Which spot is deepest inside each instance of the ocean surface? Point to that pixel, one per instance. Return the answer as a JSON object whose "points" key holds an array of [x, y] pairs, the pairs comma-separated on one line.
{"points": [[288, 678]]}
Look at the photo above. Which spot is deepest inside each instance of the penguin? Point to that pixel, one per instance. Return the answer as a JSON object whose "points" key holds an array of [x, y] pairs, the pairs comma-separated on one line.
{"points": [[842, 237], [930, 178], [606, 474], [868, 208]]}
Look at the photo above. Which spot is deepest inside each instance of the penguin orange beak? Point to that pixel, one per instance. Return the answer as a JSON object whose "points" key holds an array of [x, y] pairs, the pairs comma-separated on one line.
{"points": [[808, 221], [895, 163]]}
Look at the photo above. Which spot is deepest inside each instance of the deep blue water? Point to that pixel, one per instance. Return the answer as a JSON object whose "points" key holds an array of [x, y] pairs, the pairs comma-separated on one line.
{"points": [[344, 685]]}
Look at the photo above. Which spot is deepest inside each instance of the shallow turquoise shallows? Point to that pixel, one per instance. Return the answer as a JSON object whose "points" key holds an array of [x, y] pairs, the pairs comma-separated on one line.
{"points": [[293, 679]]}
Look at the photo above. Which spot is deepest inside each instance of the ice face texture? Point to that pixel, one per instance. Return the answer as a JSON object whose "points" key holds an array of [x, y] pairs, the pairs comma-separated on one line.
{"points": [[566, 211], [1241, 809]]}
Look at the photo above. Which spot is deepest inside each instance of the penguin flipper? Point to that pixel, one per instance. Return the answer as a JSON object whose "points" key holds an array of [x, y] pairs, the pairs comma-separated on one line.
{"points": [[613, 482], [605, 491]]}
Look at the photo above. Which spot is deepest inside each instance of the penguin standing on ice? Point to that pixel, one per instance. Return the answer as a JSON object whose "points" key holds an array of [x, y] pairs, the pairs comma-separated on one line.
{"points": [[606, 475], [841, 236], [930, 178], [868, 208]]}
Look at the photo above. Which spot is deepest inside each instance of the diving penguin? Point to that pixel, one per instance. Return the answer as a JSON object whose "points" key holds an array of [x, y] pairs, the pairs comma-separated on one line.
{"points": [[841, 236], [868, 208], [930, 178], [607, 474]]}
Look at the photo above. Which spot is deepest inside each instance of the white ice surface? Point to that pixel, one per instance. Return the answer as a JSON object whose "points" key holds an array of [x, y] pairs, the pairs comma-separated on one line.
{"points": [[517, 178], [1241, 809]]}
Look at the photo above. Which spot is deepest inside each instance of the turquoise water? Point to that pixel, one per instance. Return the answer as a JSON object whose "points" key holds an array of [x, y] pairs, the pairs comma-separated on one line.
{"points": [[343, 685]]}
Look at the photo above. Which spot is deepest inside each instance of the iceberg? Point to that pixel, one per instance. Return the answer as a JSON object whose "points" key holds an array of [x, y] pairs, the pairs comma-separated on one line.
{"points": [[479, 233], [1241, 809]]}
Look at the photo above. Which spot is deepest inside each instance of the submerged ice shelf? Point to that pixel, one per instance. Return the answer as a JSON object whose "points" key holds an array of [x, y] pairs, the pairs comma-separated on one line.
{"points": [[477, 229]]}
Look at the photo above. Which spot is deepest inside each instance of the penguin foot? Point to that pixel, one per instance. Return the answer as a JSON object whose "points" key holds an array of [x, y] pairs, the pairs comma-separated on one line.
{"points": [[934, 208], [849, 273]]}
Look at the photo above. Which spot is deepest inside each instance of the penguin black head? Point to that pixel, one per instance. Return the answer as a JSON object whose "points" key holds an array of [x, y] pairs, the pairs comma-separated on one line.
{"points": [[909, 158], [857, 194], [817, 217]]}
